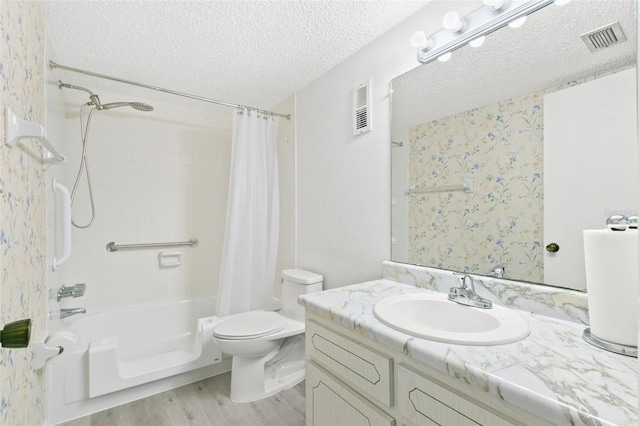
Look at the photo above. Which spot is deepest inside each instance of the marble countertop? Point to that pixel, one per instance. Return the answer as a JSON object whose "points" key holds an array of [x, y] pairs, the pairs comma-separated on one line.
{"points": [[553, 373]]}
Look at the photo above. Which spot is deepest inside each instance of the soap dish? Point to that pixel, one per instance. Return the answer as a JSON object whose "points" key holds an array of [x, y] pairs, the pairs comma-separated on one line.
{"points": [[170, 259], [609, 346]]}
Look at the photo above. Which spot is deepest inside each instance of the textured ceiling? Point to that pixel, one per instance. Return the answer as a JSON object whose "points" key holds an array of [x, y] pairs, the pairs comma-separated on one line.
{"points": [[546, 52], [253, 53]]}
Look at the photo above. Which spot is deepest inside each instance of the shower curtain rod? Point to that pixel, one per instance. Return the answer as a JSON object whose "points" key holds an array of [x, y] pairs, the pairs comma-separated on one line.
{"points": [[160, 89]]}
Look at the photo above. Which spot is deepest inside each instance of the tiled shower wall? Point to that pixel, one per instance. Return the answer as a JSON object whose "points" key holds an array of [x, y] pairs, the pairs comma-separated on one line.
{"points": [[154, 180], [157, 177]]}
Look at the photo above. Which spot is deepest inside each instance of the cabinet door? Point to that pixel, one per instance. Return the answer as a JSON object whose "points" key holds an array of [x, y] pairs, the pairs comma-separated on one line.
{"points": [[423, 402], [332, 403], [365, 369]]}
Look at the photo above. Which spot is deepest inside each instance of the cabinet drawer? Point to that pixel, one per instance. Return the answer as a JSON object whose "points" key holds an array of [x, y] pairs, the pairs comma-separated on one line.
{"points": [[332, 403], [367, 370], [423, 402]]}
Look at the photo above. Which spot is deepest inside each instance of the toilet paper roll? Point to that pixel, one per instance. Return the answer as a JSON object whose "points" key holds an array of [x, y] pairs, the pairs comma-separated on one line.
{"points": [[67, 341], [611, 262]]}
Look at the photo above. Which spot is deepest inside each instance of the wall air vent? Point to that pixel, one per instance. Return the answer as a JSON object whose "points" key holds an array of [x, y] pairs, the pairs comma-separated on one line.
{"points": [[362, 108], [604, 37]]}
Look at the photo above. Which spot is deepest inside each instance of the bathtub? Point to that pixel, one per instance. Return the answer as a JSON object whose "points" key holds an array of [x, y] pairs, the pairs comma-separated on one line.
{"points": [[131, 353]]}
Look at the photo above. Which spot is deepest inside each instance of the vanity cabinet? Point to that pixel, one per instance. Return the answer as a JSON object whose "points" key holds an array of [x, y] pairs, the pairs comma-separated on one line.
{"points": [[353, 381], [331, 403], [366, 369], [425, 402]]}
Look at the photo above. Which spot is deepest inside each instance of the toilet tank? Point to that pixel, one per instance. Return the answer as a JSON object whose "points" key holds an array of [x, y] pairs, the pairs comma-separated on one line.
{"points": [[296, 282]]}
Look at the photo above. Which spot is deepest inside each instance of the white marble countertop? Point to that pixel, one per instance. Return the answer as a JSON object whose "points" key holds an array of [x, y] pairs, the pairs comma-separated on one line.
{"points": [[553, 373]]}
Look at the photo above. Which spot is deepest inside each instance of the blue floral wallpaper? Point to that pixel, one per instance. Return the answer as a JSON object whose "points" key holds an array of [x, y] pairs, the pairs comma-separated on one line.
{"points": [[499, 146], [22, 210]]}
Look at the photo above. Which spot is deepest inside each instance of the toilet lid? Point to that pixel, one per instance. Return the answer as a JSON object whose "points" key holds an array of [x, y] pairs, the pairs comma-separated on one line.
{"points": [[250, 325]]}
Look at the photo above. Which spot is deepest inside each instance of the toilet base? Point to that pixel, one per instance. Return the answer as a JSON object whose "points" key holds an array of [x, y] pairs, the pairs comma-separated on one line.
{"points": [[256, 378], [248, 382], [271, 387]]}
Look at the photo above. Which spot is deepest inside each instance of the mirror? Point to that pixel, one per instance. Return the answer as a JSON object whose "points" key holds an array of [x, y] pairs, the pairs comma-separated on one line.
{"points": [[498, 158]]}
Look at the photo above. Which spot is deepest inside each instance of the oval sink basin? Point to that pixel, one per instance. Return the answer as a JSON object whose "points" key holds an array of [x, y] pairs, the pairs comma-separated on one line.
{"points": [[432, 316]]}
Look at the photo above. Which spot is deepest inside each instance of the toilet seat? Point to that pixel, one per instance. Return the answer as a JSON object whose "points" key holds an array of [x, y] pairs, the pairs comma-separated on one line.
{"points": [[250, 325]]}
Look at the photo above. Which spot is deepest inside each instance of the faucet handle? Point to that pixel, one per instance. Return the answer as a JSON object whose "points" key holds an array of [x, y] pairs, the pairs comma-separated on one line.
{"points": [[454, 291], [76, 291]]}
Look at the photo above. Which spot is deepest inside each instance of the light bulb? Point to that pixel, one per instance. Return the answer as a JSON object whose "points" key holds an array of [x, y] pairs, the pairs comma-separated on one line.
{"points": [[420, 39], [517, 23], [495, 4], [452, 22], [444, 57], [477, 42]]}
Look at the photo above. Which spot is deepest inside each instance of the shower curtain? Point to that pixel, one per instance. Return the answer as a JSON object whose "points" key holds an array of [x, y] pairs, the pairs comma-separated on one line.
{"points": [[247, 272]]}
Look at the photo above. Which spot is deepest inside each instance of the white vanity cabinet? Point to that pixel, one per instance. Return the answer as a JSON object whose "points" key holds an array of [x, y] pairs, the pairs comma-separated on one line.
{"points": [[425, 402], [330, 402], [353, 381]]}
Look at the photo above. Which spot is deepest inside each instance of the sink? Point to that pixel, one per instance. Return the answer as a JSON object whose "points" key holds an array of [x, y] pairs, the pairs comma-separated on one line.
{"points": [[432, 316]]}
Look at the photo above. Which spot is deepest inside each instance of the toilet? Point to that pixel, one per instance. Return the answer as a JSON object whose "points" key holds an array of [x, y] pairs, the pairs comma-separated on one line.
{"points": [[267, 346]]}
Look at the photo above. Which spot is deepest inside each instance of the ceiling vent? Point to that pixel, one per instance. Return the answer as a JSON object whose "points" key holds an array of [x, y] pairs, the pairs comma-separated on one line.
{"points": [[362, 108], [604, 37]]}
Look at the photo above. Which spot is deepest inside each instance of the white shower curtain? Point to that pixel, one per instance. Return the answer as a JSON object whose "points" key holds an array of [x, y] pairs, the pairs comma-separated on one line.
{"points": [[247, 272]]}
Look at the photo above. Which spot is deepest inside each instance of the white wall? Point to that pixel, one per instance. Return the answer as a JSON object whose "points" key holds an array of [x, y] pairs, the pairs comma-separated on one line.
{"points": [[287, 174], [344, 181]]}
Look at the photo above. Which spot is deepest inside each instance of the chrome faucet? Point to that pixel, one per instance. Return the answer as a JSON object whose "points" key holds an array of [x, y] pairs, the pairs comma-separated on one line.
{"points": [[66, 313], [466, 294], [75, 291]]}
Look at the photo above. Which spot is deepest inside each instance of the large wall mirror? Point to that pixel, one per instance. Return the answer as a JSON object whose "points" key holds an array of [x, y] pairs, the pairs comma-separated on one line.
{"points": [[504, 154]]}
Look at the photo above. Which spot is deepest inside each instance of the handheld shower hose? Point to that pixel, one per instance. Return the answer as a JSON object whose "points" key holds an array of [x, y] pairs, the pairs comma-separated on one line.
{"points": [[84, 135]]}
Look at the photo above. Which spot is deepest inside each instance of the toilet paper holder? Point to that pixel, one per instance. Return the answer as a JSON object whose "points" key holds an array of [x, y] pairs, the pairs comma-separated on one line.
{"points": [[42, 352]]}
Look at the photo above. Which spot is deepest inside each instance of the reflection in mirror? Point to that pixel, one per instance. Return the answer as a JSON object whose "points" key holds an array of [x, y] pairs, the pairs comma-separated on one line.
{"points": [[503, 155]]}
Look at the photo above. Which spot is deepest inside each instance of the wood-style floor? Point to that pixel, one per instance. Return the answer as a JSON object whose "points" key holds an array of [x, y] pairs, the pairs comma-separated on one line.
{"points": [[204, 403]]}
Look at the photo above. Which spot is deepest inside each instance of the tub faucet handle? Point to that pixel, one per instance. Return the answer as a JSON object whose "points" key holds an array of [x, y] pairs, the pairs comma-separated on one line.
{"points": [[73, 291]]}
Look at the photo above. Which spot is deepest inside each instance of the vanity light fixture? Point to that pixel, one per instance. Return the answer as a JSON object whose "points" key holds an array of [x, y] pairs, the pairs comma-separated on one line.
{"points": [[444, 57], [517, 23], [495, 4], [458, 31], [477, 42], [420, 39], [453, 22]]}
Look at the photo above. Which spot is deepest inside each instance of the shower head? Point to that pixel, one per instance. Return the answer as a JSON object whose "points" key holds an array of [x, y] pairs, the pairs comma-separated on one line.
{"points": [[136, 105], [95, 100]]}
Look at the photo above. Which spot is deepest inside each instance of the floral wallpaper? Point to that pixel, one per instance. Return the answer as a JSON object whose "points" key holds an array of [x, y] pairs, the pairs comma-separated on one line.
{"points": [[22, 210], [499, 146]]}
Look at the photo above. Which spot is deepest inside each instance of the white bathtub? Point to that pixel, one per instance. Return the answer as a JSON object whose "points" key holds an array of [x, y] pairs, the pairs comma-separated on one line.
{"points": [[127, 354]]}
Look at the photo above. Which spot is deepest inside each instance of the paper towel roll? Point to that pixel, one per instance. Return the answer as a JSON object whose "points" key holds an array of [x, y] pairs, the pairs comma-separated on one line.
{"points": [[611, 262], [67, 341]]}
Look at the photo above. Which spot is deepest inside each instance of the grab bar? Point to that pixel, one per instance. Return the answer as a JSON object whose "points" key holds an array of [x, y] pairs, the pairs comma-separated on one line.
{"points": [[66, 224], [467, 186], [113, 246]]}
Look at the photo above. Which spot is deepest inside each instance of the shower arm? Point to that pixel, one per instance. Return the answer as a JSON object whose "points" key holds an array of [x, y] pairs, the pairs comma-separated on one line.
{"points": [[95, 100]]}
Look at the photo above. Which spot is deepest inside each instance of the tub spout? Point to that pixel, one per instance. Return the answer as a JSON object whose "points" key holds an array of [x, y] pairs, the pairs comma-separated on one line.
{"points": [[65, 313]]}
